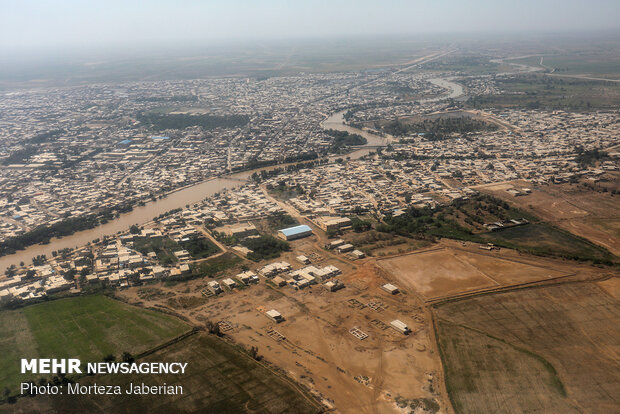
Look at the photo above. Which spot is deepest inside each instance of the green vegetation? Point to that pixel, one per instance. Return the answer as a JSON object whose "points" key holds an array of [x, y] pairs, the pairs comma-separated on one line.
{"points": [[164, 248], [216, 266], [228, 240], [343, 139], [200, 247], [285, 192], [591, 157], [480, 364], [43, 234], [428, 405], [375, 243], [259, 176], [594, 64], [359, 225], [435, 129], [20, 156], [543, 239], [281, 220], [469, 64], [45, 136], [85, 327], [16, 342], [220, 378], [162, 121], [462, 220], [254, 163], [166, 99], [551, 93], [499, 350], [265, 247], [166, 214]]}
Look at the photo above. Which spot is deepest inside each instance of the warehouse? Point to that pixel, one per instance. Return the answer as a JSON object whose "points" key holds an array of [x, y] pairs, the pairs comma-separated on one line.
{"points": [[297, 232], [400, 327]]}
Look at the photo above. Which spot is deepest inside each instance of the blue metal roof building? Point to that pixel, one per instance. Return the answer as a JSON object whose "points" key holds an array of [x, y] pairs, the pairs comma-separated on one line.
{"points": [[297, 232]]}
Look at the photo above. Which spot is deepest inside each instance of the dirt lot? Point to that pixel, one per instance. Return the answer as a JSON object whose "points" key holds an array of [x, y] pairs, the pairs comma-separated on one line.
{"points": [[538, 350], [353, 375], [377, 244], [314, 344], [448, 270], [587, 213], [611, 286]]}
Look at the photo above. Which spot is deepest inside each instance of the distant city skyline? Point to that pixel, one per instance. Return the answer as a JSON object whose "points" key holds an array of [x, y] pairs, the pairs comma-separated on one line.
{"points": [[38, 24]]}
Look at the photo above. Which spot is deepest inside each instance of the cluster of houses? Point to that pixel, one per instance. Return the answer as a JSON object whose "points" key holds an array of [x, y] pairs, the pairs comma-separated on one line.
{"points": [[85, 132], [282, 274], [26, 289]]}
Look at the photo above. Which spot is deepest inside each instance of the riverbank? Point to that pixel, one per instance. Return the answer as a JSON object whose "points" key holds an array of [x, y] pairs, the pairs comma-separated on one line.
{"points": [[191, 194], [139, 215]]}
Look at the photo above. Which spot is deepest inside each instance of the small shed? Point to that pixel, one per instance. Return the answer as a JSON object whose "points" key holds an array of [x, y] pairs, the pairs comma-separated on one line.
{"points": [[274, 315], [303, 259], [229, 283], [390, 288], [278, 281], [345, 248]]}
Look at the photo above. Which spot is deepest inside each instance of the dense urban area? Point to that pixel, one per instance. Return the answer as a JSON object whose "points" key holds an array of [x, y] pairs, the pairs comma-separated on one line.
{"points": [[371, 236]]}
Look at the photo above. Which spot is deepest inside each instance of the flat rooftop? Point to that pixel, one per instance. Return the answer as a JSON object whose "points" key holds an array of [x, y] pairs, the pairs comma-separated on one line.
{"points": [[289, 231]]}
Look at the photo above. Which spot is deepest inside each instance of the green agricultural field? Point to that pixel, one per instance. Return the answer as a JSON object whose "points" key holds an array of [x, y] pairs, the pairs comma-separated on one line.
{"points": [[478, 362], [469, 64], [550, 93], [549, 349], [219, 379], [546, 240], [596, 65], [16, 341], [85, 327]]}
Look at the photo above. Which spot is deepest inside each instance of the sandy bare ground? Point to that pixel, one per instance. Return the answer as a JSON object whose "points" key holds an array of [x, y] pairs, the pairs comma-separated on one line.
{"points": [[346, 373], [444, 271]]}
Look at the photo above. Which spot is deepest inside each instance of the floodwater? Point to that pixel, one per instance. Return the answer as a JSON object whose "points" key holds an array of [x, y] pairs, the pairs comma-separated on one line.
{"points": [[198, 192], [456, 90], [336, 121], [139, 215]]}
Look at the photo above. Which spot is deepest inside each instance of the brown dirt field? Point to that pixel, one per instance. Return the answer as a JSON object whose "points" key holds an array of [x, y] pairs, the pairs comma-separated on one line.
{"points": [[436, 273], [321, 353], [539, 350], [352, 375], [447, 271], [587, 213], [611, 286]]}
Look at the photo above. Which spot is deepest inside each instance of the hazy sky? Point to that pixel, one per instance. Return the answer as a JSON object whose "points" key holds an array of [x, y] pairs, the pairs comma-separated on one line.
{"points": [[91, 23]]}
